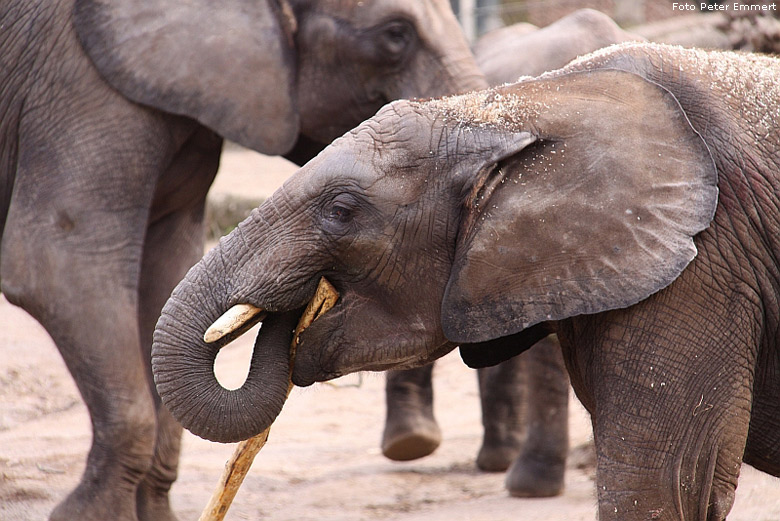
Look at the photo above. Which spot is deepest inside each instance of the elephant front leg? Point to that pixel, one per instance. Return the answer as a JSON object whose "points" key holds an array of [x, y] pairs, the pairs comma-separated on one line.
{"points": [[670, 407], [690, 474], [411, 430], [89, 309]]}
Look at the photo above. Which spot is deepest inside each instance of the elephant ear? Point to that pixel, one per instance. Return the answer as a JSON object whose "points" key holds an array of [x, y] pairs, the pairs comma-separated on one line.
{"points": [[229, 65], [597, 214]]}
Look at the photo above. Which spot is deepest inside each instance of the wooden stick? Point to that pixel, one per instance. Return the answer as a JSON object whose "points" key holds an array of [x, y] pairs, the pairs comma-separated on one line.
{"points": [[232, 477], [239, 463]]}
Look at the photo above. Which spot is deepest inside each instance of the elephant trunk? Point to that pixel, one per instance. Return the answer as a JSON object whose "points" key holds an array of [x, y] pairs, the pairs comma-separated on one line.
{"points": [[183, 363]]}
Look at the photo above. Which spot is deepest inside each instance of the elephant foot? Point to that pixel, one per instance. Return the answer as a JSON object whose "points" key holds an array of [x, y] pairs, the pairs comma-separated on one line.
{"points": [[411, 437], [153, 505], [535, 476], [497, 458], [98, 503], [95, 503], [411, 431]]}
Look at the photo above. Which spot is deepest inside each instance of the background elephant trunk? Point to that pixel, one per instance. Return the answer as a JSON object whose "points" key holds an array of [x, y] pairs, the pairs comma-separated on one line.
{"points": [[183, 364]]}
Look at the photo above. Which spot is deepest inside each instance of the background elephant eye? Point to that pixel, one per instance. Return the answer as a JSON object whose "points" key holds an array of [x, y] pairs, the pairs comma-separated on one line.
{"points": [[396, 37]]}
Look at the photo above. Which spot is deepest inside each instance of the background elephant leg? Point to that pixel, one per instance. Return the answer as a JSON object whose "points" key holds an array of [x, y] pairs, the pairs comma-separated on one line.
{"points": [[152, 501], [539, 469], [119, 404], [411, 430], [174, 242], [84, 294], [502, 391], [72, 250]]}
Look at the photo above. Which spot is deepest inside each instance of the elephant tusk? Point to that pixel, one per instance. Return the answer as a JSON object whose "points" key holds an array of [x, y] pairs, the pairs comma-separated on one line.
{"points": [[230, 321], [324, 298]]}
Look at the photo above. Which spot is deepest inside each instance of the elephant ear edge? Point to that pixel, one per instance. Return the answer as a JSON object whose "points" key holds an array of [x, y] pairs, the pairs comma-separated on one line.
{"points": [[229, 66], [598, 214]]}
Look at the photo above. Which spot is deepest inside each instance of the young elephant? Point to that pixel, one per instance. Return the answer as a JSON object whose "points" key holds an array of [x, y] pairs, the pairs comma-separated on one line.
{"points": [[628, 203], [112, 118]]}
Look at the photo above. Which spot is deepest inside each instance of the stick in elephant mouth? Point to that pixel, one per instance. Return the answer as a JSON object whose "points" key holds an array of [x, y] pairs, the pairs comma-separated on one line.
{"points": [[239, 463]]}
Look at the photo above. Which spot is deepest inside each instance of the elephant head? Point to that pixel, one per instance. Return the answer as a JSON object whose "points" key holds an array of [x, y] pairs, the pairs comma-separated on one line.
{"points": [[263, 73], [451, 221]]}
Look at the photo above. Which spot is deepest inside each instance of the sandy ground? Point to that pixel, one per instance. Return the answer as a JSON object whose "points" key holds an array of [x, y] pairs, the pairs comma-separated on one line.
{"points": [[322, 461]]}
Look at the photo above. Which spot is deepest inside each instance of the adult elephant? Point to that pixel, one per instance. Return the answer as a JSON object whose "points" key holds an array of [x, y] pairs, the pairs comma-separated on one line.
{"points": [[525, 399], [628, 203], [113, 114]]}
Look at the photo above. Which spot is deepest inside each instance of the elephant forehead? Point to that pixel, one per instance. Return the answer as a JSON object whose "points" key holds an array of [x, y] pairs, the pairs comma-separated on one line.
{"points": [[393, 142], [356, 166], [340, 166]]}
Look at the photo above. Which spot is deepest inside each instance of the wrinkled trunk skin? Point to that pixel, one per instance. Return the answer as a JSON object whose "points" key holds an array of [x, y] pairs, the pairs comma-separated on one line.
{"points": [[183, 364]]}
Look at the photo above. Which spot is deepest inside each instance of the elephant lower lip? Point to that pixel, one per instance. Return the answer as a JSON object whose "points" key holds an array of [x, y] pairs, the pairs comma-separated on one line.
{"points": [[305, 379]]}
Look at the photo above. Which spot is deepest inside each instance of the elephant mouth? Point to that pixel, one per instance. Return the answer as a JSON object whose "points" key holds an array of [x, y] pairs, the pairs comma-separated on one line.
{"points": [[242, 317]]}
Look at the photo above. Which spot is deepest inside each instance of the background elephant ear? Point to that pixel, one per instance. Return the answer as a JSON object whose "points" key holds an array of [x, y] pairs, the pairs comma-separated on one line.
{"points": [[230, 65], [599, 213]]}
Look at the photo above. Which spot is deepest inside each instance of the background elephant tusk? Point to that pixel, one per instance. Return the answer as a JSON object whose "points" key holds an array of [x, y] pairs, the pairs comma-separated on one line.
{"points": [[230, 321]]}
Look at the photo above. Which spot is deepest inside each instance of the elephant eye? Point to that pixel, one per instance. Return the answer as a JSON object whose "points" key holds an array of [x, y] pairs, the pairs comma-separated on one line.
{"points": [[340, 213], [396, 37]]}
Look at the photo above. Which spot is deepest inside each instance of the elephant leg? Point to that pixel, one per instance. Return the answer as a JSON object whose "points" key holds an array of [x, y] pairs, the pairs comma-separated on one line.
{"points": [[411, 430], [664, 466], [670, 404], [502, 390], [539, 469], [71, 255], [174, 242]]}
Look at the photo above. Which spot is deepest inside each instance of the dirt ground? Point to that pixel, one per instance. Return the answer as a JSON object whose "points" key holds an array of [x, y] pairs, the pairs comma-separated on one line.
{"points": [[323, 460]]}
